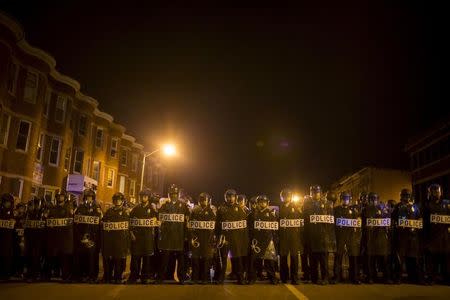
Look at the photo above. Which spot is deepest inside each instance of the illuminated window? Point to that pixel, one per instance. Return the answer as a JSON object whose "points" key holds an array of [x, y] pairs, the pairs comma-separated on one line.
{"points": [[122, 184], [132, 188], [96, 170], [110, 178]]}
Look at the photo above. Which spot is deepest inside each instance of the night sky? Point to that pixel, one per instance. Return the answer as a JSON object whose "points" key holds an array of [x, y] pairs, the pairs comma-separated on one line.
{"points": [[256, 98]]}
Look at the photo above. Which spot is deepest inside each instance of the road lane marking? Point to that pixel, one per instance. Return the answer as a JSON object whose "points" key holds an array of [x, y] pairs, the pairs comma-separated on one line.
{"points": [[299, 295]]}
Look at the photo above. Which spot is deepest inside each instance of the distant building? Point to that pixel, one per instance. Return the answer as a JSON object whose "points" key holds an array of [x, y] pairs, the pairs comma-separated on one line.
{"points": [[54, 137], [387, 183], [429, 155]]}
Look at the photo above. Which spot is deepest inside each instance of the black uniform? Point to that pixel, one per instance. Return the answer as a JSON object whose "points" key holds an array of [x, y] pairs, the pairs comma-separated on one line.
{"points": [[232, 233], [143, 225], [115, 243], [35, 234], [7, 223], [348, 239], [290, 232], [377, 228], [263, 238], [60, 239], [201, 240], [173, 216], [437, 235], [87, 240], [19, 246], [319, 225]]}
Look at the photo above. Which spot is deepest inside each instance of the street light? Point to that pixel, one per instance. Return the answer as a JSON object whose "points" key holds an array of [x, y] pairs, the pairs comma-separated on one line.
{"points": [[168, 150]]}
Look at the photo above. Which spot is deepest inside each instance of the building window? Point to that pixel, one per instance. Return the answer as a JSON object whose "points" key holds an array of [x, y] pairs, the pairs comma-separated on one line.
{"points": [[67, 159], [78, 163], [4, 128], [132, 188], [99, 138], [134, 162], [40, 147], [96, 170], [23, 136], [113, 150], [82, 123], [122, 184], [31, 87], [55, 148], [110, 178], [123, 157], [60, 108], [12, 78]]}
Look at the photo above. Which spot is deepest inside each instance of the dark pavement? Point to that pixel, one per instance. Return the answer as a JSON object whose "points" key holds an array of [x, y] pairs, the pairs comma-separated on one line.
{"points": [[37, 291]]}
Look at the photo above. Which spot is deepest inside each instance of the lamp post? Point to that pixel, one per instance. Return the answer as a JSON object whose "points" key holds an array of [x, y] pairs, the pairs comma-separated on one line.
{"points": [[168, 150]]}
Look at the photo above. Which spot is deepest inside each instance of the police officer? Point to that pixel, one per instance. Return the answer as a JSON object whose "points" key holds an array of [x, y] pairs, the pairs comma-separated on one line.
{"points": [[173, 217], [60, 236], [143, 225], [348, 237], [437, 233], [377, 228], [263, 238], [34, 234], [290, 234], [408, 222], [87, 219], [115, 240], [19, 241], [306, 255], [201, 238], [319, 217], [232, 232], [7, 224]]}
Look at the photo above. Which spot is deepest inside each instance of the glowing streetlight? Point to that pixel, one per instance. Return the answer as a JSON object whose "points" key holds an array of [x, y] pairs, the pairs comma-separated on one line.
{"points": [[168, 150], [296, 198]]}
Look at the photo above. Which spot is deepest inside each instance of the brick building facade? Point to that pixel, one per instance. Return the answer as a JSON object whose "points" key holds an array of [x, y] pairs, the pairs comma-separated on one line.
{"points": [[54, 137]]}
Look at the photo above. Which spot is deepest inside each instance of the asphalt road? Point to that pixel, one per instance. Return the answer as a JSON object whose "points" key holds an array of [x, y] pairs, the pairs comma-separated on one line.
{"points": [[37, 291]]}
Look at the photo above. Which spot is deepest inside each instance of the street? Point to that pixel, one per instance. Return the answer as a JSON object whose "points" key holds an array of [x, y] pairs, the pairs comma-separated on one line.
{"points": [[39, 291]]}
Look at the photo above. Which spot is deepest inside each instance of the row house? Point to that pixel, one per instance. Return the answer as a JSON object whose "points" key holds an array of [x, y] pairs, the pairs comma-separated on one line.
{"points": [[53, 137]]}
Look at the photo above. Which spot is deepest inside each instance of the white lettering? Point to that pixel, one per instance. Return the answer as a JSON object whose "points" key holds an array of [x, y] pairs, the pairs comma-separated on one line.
{"points": [[266, 225], [329, 219], [171, 218], [115, 225], [82, 219], [153, 222], [234, 225], [343, 222], [440, 219], [285, 223], [193, 224], [378, 222], [408, 223], [59, 222], [8, 224]]}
